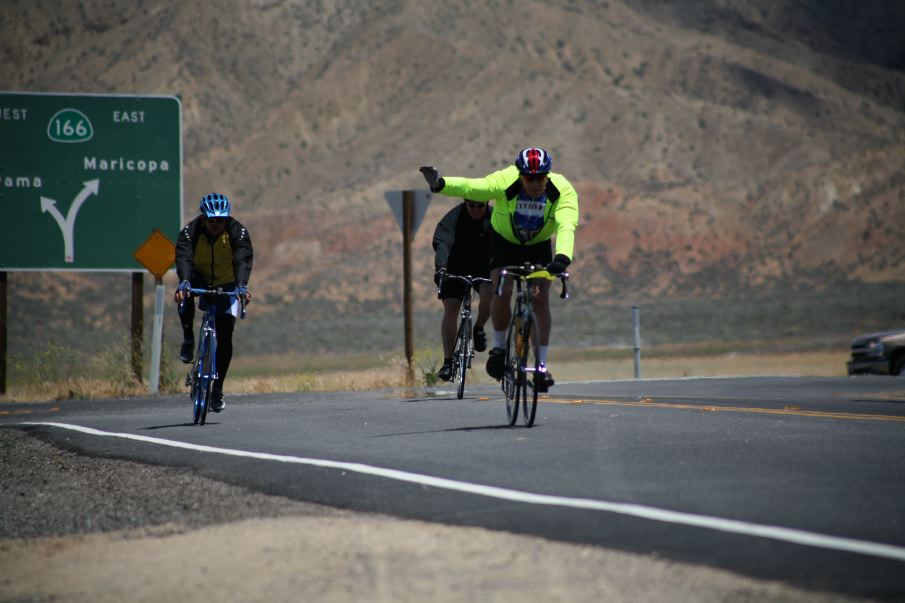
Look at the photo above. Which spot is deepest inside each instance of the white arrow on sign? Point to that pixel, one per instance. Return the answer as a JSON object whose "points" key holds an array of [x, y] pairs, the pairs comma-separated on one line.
{"points": [[66, 226], [419, 207]]}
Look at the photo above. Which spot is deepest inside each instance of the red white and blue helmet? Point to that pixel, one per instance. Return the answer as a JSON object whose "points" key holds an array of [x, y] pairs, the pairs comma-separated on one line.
{"points": [[534, 160], [215, 205]]}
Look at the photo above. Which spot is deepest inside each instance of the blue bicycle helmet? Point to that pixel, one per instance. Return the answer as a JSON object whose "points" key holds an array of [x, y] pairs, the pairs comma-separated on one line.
{"points": [[215, 205], [533, 160]]}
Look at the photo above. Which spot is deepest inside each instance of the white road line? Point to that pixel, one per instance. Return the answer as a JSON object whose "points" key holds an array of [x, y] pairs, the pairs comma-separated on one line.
{"points": [[802, 537]]}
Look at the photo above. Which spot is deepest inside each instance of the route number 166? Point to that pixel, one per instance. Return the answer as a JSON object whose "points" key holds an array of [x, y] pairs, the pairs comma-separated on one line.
{"points": [[70, 125]]}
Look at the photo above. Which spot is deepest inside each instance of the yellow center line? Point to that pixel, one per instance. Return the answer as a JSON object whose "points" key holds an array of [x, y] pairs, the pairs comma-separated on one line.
{"points": [[789, 410], [28, 411]]}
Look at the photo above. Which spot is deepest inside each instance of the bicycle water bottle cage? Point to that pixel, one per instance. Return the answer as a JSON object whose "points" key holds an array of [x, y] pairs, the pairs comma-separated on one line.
{"points": [[519, 337]]}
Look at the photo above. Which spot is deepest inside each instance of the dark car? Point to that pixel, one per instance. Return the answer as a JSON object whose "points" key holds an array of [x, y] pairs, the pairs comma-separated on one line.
{"points": [[878, 353]]}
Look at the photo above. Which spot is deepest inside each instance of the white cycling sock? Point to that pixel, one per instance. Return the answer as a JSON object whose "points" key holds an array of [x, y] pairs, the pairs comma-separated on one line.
{"points": [[499, 339], [542, 352]]}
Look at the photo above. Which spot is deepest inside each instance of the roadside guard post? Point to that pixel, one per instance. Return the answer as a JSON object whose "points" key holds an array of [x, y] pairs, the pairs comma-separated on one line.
{"points": [[636, 327], [408, 208], [156, 254]]}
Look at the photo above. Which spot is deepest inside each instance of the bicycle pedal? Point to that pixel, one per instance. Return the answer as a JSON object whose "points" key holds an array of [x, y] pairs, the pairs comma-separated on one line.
{"points": [[188, 379]]}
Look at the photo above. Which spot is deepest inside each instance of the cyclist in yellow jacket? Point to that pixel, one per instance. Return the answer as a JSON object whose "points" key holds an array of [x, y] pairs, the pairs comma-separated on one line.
{"points": [[531, 205], [213, 250]]}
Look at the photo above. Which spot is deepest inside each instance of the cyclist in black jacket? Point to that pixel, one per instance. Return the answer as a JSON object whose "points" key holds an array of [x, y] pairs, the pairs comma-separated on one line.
{"points": [[213, 250], [461, 247]]}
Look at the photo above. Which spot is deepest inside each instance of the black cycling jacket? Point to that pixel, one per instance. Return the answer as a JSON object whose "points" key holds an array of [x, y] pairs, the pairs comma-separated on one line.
{"points": [[462, 245], [239, 240]]}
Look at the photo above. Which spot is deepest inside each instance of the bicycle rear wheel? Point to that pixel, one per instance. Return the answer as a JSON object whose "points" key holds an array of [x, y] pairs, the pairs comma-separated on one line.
{"points": [[510, 380], [460, 355], [529, 377]]}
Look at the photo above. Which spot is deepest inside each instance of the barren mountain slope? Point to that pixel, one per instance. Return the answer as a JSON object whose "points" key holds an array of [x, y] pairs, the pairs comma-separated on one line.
{"points": [[714, 144]]}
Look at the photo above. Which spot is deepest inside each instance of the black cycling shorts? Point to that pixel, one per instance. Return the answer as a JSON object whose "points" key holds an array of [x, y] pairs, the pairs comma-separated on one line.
{"points": [[452, 288], [503, 253]]}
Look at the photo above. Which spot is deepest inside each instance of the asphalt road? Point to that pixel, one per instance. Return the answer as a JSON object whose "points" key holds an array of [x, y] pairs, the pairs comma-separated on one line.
{"points": [[796, 479]]}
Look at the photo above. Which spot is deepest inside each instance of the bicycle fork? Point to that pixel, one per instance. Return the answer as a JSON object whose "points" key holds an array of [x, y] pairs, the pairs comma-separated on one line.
{"points": [[466, 320], [196, 373]]}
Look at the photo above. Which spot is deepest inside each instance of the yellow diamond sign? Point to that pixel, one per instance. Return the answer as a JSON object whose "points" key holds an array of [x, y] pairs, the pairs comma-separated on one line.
{"points": [[156, 254]]}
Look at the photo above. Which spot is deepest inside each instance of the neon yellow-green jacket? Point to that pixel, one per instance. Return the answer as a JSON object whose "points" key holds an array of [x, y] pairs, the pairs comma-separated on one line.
{"points": [[560, 215]]}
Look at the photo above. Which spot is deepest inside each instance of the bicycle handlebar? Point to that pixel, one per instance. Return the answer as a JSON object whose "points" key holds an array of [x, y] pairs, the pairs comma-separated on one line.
{"points": [[532, 271], [471, 281], [217, 291]]}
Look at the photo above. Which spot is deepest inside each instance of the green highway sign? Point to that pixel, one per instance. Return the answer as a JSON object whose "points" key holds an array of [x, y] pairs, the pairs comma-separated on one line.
{"points": [[85, 178]]}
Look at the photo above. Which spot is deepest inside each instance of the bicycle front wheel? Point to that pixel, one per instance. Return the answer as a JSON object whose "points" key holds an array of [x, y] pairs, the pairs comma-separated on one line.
{"points": [[195, 378], [197, 400], [460, 355], [207, 374], [529, 375], [510, 380]]}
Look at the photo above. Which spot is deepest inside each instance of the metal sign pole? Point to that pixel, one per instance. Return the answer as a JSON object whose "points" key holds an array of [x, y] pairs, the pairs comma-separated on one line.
{"points": [[157, 338], [407, 220], [157, 254]]}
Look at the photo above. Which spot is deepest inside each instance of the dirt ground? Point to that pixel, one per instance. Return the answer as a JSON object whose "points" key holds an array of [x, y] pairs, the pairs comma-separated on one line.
{"points": [[75, 528]]}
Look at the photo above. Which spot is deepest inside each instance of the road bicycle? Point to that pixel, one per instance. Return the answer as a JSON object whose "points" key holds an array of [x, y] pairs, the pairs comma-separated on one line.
{"points": [[463, 350], [204, 370], [522, 372]]}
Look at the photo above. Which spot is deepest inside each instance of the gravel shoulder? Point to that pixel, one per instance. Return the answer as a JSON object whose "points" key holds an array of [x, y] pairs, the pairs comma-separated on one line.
{"points": [[76, 528]]}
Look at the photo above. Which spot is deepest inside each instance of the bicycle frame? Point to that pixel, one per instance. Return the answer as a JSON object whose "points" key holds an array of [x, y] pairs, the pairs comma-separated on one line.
{"points": [[520, 382], [204, 370], [463, 350]]}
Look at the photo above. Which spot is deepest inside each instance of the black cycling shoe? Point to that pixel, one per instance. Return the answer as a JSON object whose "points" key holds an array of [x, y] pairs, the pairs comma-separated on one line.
{"points": [[546, 381], [480, 339], [187, 351], [217, 403], [446, 371], [496, 363]]}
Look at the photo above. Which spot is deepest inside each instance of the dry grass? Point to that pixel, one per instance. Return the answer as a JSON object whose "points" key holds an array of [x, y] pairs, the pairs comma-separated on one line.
{"points": [[822, 364], [307, 374]]}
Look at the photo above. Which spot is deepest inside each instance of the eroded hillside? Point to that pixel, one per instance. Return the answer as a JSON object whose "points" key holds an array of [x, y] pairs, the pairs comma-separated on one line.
{"points": [[714, 145]]}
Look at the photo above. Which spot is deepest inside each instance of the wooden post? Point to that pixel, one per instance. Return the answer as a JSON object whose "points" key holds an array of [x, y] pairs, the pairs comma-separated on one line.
{"points": [[3, 293], [408, 205], [137, 321]]}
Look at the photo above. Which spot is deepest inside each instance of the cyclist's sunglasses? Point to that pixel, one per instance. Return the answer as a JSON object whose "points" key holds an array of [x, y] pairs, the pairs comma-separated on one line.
{"points": [[216, 220], [474, 205], [535, 177]]}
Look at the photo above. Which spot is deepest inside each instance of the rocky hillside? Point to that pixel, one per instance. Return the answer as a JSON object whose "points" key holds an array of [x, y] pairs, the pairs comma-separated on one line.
{"points": [[715, 144]]}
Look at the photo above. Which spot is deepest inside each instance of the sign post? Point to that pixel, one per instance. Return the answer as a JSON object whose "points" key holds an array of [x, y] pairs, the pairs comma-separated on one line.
{"points": [[2, 333], [157, 254], [409, 208]]}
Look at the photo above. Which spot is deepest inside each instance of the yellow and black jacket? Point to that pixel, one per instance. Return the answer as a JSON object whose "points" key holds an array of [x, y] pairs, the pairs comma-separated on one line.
{"points": [[224, 260]]}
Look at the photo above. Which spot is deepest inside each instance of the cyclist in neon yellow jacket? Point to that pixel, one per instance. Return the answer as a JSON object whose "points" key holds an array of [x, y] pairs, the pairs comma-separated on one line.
{"points": [[531, 205]]}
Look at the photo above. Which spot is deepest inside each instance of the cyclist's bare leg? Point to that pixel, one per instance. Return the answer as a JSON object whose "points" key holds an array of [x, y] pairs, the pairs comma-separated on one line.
{"points": [[449, 324], [500, 310], [540, 297], [485, 297]]}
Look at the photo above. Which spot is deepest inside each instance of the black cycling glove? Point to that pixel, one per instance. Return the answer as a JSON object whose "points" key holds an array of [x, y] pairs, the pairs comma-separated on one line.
{"points": [[439, 275], [433, 177], [558, 265]]}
